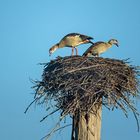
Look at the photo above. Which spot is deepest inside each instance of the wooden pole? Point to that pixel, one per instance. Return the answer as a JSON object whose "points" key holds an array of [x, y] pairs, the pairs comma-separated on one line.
{"points": [[87, 126]]}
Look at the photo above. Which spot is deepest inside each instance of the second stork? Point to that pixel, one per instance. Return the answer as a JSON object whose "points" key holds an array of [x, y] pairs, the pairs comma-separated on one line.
{"points": [[99, 47]]}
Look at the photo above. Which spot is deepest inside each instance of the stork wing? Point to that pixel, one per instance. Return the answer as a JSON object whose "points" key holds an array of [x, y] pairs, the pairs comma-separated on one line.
{"points": [[83, 37], [92, 46]]}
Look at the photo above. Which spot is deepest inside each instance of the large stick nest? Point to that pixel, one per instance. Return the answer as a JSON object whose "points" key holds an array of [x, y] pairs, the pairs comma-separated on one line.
{"points": [[79, 83]]}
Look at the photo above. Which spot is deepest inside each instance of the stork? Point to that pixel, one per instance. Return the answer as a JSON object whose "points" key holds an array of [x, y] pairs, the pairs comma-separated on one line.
{"points": [[71, 40], [100, 47]]}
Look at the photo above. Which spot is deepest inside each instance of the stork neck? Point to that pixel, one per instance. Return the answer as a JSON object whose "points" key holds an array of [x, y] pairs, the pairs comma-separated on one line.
{"points": [[55, 47], [61, 44], [109, 44]]}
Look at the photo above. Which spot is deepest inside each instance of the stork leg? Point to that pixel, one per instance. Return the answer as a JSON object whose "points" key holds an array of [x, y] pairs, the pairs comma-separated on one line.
{"points": [[76, 51], [72, 51]]}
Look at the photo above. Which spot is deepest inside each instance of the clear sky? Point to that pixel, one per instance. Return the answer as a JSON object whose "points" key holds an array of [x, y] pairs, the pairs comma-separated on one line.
{"points": [[28, 28]]}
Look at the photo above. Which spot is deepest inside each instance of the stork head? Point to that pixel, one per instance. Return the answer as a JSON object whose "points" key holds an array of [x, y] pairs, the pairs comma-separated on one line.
{"points": [[53, 48], [114, 41]]}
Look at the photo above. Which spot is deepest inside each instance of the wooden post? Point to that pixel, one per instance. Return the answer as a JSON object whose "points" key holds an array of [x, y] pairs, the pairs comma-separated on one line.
{"points": [[87, 126]]}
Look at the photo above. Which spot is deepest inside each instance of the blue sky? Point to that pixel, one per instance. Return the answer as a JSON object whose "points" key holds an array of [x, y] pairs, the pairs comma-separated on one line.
{"points": [[28, 28]]}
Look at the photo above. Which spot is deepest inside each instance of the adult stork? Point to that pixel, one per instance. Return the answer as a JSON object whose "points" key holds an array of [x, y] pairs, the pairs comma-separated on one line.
{"points": [[100, 47], [71, 40]]}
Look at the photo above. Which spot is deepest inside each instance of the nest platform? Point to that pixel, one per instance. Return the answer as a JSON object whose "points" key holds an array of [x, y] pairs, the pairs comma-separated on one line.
{"points": [[79, 83]]}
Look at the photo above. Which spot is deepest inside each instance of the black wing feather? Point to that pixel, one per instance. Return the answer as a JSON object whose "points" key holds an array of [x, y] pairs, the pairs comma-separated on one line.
{"points": [[83, 37]]}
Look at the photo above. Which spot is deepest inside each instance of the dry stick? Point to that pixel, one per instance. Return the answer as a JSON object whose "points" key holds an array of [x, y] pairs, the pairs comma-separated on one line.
{"points": [[49, 114], [136, 120], [81, 64], [93, 104], [43, 63], [122, 107], [85, 68], [133, 110], [54, 129], [135, 115], [30, 105], [127, 102], [77, 101], [37, 91]]}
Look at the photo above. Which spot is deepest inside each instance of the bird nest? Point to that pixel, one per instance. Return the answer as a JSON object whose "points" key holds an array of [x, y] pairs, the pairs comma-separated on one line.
{"points": [[79, 83]]}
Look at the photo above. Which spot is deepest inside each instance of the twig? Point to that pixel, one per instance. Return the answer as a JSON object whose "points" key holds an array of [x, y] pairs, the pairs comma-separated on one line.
{"points": [[49, 114], [30, 105], [56, 128]]}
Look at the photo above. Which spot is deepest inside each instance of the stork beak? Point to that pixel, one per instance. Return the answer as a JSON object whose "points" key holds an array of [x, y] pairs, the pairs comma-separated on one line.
{"points": [[50, 52], [53, 49], [91, 42], [117, 44]]}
